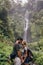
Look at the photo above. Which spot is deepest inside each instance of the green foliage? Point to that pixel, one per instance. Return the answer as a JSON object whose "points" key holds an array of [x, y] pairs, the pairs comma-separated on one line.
{"points": [[37, 25], [38, 57], [5, 50], [40, 60], [5, 30], [10, 27], [37, 49]]}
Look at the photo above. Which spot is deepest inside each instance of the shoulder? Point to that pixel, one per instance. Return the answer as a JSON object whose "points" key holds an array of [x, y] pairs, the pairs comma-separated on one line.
{"points": [[17, 59]]}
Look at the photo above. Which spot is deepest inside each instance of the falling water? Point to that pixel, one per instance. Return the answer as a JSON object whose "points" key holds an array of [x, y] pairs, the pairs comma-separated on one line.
{"points": [[26, 25], [26, 17]]}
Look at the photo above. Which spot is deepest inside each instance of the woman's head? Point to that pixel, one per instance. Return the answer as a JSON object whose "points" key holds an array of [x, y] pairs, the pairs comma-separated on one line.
{"points": [[24, 43]]}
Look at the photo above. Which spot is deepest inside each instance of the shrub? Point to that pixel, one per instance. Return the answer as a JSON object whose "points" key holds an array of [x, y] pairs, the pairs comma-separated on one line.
{"points": [[39, 60]]}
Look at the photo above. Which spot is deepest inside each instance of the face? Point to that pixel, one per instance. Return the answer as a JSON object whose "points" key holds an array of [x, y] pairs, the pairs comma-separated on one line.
{"points": [[23, 45], [18, 41]]}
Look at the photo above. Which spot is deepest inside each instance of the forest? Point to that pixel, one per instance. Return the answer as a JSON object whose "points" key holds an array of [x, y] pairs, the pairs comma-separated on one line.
{"points": [[12, 20]]}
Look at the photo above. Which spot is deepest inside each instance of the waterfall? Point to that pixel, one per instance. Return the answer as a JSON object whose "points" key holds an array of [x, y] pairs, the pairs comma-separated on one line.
{"points": [[26, 25], [27, 33]]}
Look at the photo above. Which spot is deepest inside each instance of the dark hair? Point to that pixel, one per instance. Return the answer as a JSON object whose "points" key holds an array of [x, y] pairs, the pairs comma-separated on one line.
{"points": [[19, 38]]}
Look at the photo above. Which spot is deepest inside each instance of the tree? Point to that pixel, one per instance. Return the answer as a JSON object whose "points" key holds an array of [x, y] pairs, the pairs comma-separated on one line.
{"points": [[37, 23]]}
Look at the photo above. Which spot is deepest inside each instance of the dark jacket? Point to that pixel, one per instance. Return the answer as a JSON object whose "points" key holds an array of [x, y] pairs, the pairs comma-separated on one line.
{"points": [[15, 49]]}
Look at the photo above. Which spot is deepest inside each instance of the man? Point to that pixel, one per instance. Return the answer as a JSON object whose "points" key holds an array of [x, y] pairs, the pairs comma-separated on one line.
{"points": [[17, 60], [16, 48]]}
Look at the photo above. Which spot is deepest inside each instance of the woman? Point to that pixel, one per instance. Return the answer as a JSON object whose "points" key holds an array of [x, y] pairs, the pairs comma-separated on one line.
{"points": [[27, 54]]}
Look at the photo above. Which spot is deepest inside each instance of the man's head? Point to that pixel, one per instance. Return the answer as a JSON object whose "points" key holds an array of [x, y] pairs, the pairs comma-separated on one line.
{"points": [[19, 40]]}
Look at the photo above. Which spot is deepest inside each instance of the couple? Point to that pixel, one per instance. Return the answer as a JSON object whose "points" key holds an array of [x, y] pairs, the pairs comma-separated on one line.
{"points": [[21, 54]]}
